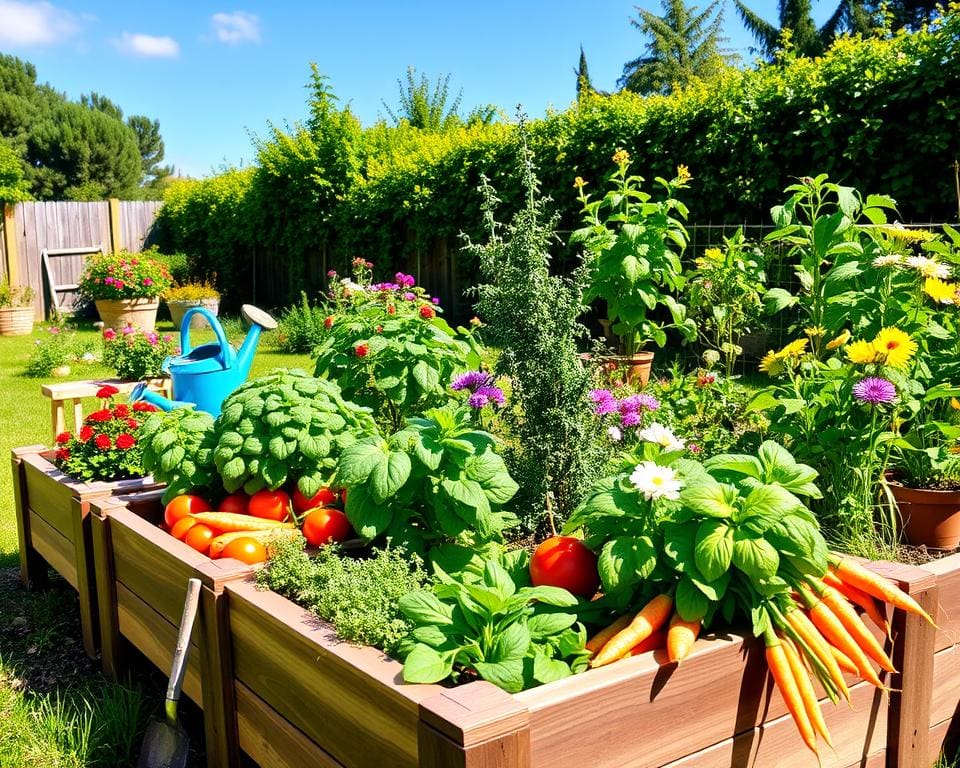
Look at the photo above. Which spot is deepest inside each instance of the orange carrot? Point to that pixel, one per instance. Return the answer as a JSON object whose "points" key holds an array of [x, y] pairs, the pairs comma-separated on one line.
{"points": [[783, 676], [600, 639], [805, 628], [873, 584], [845, 664], [855, 626], [234, 521], [809, 696], [858, 597], [649, 619], [656, 641], [680, 637], [836, 634]]}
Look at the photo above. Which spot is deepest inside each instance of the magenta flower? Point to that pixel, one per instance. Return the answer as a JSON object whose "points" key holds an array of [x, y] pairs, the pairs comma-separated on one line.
{"points": [[874, 391], [109, 334], [604, 401], [472, 380], [410, 296], [435, 300], [493, 394], [147, 281], [630, 419]]}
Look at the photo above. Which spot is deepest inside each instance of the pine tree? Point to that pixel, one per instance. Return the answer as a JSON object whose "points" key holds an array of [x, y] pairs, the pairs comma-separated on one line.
{"points": [[797, 16], [584, 86]]}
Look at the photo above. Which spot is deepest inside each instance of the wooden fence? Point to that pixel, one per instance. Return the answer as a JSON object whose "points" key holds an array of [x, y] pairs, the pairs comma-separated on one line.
{"points": [[29, 228]]}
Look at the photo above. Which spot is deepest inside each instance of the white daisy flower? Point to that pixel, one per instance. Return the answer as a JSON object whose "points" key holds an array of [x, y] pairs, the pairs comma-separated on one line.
{"points": [[614, 434], [929, 267], [656, 482], [887, 260], [659, 434]]}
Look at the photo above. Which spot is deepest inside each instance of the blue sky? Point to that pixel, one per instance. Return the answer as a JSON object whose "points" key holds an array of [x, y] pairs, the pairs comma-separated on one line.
{"points": [[212, 72]]}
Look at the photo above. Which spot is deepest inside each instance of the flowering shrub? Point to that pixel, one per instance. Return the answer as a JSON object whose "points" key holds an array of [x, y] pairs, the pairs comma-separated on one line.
{"points": [[137, 355], [123, 275], [192, 292], [54, 350], [107, 447], [387, 348]]}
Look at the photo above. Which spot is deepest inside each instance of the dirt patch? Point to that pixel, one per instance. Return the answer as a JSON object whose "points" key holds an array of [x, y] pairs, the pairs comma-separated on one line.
{"points": [[911, 555]]}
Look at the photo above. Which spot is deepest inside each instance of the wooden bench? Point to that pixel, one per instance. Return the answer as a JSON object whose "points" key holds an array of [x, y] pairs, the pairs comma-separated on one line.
{"points": [[78, 391]]}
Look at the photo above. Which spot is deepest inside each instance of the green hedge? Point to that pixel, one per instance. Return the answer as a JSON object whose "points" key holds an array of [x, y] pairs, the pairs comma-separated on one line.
{"points": [[878, 114]]}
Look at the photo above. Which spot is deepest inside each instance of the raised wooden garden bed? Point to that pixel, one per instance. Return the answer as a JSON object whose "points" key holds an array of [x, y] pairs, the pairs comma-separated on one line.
{"points": [[276, 683], [52, 511]]}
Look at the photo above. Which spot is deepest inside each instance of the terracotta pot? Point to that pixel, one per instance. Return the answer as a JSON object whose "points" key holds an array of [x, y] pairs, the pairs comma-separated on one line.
{"points": [[638, 367], [16, 321], [179, 308], [929, 517], [139, 314]]}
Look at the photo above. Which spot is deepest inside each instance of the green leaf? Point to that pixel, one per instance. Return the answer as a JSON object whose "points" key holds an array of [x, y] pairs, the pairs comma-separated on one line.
{"points": [[678, 544], [743, 464], [549, 596], [368, 517], [504, 674], [233, 469], [617, 563], [547, 669], [754, 556], [274, 473], [389, 475], [713, 551], [707, 497], [251, 446], [426, 377], [431, 634], [170, 460], [424, 607], [777, 299], [495, 577], [690, 602], [512, 643], [163, 440], [278, 448], [490, 471], [427, 665], [544, 625], [358, 460]]}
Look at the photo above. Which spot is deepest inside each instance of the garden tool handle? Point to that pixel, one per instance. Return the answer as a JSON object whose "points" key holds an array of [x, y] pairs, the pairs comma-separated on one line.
{"points": [[182, 651]]}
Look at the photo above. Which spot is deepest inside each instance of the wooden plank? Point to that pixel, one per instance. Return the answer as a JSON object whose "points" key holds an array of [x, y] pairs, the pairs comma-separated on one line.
{"points": [[155, 637], [49, 492], [945, 698], [8, 246], [271, 740], [348, 699], [55, 548], [947, 571], [116, 239], [33, 568], [86, 583], [110, 646], [151, 563]]}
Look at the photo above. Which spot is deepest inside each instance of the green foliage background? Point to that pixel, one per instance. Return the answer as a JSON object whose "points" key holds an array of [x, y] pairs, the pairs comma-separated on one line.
{"points": [[876, 113]]}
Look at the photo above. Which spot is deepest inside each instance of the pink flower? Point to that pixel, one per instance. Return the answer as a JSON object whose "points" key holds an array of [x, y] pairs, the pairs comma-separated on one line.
{"points": [[109, 334], [147, 281], [152, 338], [54, 330], [128, 330], [167, 338]]}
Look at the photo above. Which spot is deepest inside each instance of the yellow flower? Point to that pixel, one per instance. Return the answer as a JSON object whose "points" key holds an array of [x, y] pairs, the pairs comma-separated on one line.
{"points": [[955, 404], [683, 174], [714, 254], [579, 183], [894, 347], [771, 364], [903, 235], [815, 331], [842, 339], [793, 349], [940, 291], [621, 157], [861, 353]]}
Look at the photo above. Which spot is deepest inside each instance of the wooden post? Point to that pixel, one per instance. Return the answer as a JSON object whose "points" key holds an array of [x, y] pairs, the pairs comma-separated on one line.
{"points": [[10, 244], [914, 639], [33, 568], [86, 590], [474, 726], [110, 642], [115, 244]]}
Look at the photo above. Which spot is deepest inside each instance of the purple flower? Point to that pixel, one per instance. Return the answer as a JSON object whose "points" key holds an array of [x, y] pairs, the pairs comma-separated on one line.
{"points": [[435, 300], [332, 273], [410, 296], [472, 380], [477, 400], [493, 394], [407, 281], [638, 403], [874, 390], [630, 419], [604, 401]]}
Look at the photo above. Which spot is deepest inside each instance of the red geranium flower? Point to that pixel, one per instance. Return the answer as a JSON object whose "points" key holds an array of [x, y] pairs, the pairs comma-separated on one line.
{"points": [[328, 322], [391, 310], [103, 442], [133, 423], [142, 406], [121, 411], [107, 391], [63, 454], [125, 441], [86, 432], [63, 437], [427, 312], [362, 350], [100, 416]]}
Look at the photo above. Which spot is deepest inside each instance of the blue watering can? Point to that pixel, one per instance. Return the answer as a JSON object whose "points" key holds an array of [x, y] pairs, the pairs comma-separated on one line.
{"points": [[204, 376]]}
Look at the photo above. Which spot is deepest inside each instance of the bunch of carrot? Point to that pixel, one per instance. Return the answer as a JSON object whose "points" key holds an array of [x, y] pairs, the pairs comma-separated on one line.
{"points": [[816, 629]]}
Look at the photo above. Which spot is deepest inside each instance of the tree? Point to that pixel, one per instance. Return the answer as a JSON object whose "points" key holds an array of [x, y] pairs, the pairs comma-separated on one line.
{"points": [[584, 86], [430, 109], [797, 17], [150, 144], [97, 101], [684, 44], [13, 187]]}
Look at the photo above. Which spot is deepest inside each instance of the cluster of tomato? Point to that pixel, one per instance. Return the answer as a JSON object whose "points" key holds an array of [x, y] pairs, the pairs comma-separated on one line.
{"points": [[221, 531]]}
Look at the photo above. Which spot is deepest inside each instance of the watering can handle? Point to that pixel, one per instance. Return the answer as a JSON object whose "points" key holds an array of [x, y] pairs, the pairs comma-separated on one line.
{"points": [[226, 351]]}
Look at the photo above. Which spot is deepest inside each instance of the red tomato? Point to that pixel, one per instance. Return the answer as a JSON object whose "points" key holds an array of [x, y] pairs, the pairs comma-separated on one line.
{"points": [[326, 524], [235, 502], [182, 506], [270, 505], [246, 550], [180, 528], [322, 498], [563, 561], [199, 537]]}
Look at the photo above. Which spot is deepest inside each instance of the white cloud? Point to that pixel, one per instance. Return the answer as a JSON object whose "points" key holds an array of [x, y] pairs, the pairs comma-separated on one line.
{"points": [[147, 46], [237, 27], [40, 23]]}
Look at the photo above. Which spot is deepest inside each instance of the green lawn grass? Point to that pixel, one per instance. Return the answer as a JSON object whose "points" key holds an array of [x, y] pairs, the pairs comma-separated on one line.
{"points": [[49, 717]]}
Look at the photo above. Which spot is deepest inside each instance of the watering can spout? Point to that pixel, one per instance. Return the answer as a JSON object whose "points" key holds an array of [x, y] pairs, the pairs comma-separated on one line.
{"points": [[259, 321], [142, 393]]}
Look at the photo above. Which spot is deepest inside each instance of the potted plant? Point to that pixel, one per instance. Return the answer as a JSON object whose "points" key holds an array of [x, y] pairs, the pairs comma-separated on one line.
{"points": [[137, 355], [126, 287], [635, 245], [180, 298], [16, 309]]}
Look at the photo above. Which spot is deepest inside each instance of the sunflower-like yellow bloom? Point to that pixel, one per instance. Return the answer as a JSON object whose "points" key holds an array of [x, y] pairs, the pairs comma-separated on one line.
{"points": [[621, 157], [683, 174], [793, 350], [861, 353], [714, 254], [940, 291], [839, 341], [771, 364], [901, 234], [894, 347], [815, 331]]}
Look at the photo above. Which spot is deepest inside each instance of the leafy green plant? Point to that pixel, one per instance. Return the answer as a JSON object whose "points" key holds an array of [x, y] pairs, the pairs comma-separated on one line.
{"points": [[12, 297], [513, 637], [301, 327], [195, 291], [54, 350], [137, 355], [725, 293], [123, 275], [178, 450], [635, 246], [438, 479], [358, 596]]}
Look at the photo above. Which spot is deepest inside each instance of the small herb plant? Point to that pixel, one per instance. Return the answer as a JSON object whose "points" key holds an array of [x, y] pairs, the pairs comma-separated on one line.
{"points": [[13, 297], [388, 349], [53, 351], [301, 327], [123, 275], [511, 635], [137, 355], [359, 597], [635, 245], [108, 446], [439, 479]]}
